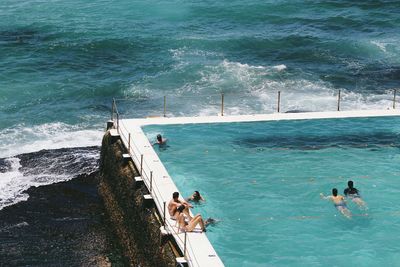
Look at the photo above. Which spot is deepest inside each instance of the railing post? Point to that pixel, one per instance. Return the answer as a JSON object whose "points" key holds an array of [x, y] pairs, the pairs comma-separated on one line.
{"points": [[394, 99], [117, 122], [164, 214], [338, 102], [129, 143], [222, 104], [165, 106], [112, 109], [151, 181], [279, 101], [184, 246], [141, 165]]}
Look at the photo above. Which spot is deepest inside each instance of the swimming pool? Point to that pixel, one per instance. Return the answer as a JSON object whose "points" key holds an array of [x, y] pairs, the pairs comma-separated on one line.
{"points": [[263, 179]]}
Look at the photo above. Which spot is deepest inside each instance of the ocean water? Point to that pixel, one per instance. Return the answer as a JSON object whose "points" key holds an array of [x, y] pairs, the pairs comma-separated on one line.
{"points": [[62, 62], [262, 182]]}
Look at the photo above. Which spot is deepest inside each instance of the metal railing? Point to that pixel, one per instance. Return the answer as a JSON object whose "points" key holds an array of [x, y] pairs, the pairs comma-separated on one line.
{"points": [[161, 106], [148, 177]]}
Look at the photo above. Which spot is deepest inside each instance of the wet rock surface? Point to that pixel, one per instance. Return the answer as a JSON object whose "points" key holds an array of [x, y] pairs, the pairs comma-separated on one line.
{"points": [[62, 224]]}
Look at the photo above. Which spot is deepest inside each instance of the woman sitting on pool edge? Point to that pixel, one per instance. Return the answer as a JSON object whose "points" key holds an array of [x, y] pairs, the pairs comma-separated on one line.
{"points": [[191, 224], [196, 197], [339, 202]]}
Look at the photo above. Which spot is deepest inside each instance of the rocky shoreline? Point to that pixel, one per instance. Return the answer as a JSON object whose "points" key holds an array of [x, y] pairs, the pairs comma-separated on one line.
{"points": [[62, 224]]}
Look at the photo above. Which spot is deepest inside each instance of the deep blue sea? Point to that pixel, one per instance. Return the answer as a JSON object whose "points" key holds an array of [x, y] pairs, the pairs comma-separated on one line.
{"points": [[62, 63]]}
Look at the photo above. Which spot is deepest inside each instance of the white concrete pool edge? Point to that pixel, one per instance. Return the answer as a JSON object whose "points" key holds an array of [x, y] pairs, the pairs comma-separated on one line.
{"points": [[199, 250], [265, 117]]}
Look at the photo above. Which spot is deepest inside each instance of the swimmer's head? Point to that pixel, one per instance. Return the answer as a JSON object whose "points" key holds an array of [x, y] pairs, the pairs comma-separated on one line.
{"points": [[196, 195], [350, 184], [210, 221], [180, 208], [159, 137], [175, 195], [334, 192]]}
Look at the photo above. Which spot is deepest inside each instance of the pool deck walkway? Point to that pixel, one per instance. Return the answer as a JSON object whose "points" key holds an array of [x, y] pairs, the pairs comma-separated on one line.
{"points": [[265, 117], [199, 251]]}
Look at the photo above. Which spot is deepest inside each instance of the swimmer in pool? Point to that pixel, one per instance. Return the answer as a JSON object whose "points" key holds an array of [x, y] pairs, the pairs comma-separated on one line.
{"points": [[196, 197], [339, 202], [160, 141], [211, 221], [352, 193]]}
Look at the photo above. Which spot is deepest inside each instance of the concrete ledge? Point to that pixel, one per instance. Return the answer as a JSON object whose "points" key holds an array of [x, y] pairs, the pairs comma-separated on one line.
{"points": [[126, 158], [110, 124], [148, 200], [147, 197], [138, 180], [114, 135], [181, 261], [164, 231]]}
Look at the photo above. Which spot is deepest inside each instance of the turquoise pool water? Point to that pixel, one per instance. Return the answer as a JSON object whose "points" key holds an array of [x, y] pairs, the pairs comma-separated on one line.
{"points": [[262, 180]]}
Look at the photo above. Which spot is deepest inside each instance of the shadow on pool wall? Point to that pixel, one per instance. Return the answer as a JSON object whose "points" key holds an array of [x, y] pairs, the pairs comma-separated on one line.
{"points": [[136, 225]]}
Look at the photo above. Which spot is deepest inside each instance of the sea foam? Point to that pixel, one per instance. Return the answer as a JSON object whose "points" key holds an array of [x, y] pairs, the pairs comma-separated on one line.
{"points": [[249, 89], [43, 168], [24, 139]]}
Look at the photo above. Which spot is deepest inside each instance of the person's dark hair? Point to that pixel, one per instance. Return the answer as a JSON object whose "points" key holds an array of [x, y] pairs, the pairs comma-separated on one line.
{"points": [[196, 195], [159, 137], [334, 192], [350, 184], [180, 208], [175, 195]]}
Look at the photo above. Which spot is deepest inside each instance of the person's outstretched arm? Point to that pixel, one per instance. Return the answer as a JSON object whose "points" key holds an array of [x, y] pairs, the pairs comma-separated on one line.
{"points": [[324, 197]]}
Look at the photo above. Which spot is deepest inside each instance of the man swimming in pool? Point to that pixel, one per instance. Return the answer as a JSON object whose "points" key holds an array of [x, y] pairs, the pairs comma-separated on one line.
{"points": [[339, 202], [160, 141], [175, 203], [352, 193]]}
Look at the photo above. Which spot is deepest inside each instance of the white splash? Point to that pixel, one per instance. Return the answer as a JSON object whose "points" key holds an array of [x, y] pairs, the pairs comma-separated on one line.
{"points": [[13, 183], [248, 89], [10, 184], [280, 67], [23, 139], [16, 179], [380, 45]]}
